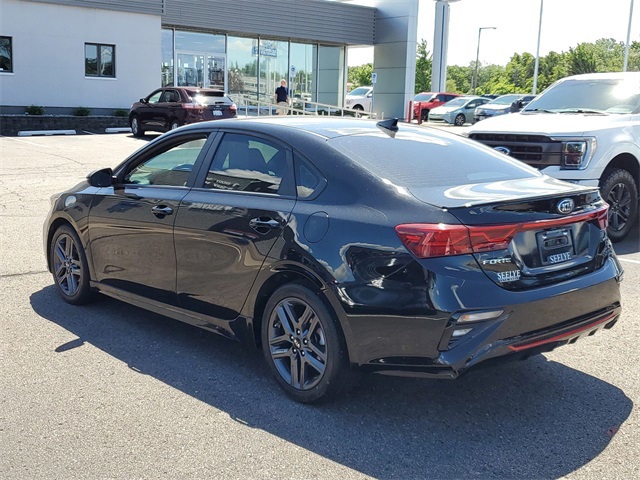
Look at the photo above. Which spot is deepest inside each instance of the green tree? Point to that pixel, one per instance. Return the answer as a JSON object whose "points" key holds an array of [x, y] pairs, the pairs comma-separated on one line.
{"points": [[360, 75], [582, 59], [423, 68], [459, 79]]}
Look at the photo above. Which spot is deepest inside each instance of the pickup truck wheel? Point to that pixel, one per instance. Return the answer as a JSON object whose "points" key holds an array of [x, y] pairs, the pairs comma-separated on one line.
{"points": [[619, 190]]}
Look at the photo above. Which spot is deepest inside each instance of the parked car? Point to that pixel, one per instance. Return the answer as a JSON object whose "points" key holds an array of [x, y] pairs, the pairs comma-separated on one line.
{"points": [[341, 244], [359, 99], [424, 102], [584, 129], [171, 107], [458, 111], [513, 102]]}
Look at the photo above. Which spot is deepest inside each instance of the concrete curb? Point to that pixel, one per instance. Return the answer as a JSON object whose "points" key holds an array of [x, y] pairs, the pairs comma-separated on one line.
{"points": [[31, 133], [117, 130]]}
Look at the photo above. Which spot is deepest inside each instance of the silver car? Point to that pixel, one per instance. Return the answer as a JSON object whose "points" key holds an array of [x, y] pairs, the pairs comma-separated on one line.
{"points": [[513, 102], [458, 111]]}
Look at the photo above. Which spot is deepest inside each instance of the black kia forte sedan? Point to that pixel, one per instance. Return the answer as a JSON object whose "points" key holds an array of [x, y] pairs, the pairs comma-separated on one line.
{"points": [[171, 107], [339, 246]]}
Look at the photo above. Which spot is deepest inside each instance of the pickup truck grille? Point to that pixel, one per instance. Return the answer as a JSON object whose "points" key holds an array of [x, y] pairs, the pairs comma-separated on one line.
{"points": [[535, 150]]}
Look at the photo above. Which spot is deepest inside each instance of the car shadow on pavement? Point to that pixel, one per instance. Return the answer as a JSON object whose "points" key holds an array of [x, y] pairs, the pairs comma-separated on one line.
{"points": [[532, 419]]}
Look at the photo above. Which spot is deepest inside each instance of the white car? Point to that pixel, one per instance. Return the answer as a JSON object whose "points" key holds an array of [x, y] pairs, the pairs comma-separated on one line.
{"points": [[359, 99], [458, 111], [584, 129]]}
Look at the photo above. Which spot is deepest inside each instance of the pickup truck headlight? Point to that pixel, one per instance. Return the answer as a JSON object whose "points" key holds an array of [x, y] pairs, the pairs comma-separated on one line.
{"points": [[577, 153]]}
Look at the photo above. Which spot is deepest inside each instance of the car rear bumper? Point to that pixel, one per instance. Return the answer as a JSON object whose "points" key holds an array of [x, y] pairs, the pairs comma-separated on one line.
{"points": [[532, 322]]}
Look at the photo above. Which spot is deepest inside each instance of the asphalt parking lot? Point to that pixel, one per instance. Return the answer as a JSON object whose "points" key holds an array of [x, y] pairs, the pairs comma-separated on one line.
{"points": [[111, 391]]}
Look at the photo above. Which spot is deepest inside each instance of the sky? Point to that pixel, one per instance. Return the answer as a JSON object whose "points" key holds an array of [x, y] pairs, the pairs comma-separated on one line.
{"points": [[565, 23]]}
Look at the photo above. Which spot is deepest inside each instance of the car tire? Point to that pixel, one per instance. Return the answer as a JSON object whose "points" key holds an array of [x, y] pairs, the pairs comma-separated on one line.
{"points": [[304, 346], [174, 124], [618, 188], [459, 120], [424, 115], [69, 266], [136, 127]]}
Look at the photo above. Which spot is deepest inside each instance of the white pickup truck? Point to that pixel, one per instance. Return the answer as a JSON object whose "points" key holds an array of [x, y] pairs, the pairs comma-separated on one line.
{"points": [[583, 129]]}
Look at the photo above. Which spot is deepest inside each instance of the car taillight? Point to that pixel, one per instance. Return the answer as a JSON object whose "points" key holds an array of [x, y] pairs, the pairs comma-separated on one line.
{"points": [[233, 107], [429, 240]]}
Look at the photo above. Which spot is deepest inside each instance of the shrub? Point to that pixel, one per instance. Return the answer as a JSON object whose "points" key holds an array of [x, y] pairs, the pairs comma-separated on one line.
{"points": [[34, 110], [120, 112], [81, 111]]}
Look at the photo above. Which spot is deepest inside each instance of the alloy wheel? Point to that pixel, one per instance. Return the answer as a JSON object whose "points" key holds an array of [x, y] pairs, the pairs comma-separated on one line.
{"points": [[297, 343], [67, 265], [619, 200]]}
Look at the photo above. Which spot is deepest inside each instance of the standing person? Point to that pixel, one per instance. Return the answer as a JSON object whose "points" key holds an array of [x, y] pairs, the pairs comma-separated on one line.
{"points": [[282, 97]]}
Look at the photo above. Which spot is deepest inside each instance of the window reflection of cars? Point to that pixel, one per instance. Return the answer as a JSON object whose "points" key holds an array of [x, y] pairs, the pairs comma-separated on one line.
{"points": [[424, 102], [171, 107]]}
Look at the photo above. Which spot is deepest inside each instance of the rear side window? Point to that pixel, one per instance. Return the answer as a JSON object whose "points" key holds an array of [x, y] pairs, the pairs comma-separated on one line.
{"points": [[415, 158], [308, 180]]}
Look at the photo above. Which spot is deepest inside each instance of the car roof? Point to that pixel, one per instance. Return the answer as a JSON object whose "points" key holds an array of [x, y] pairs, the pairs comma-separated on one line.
{"points": [[194, 89], [320, 126]]}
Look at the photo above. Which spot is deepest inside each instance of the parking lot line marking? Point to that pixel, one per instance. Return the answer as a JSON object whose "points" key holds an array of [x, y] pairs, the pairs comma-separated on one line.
{"points": [[24, 141]]}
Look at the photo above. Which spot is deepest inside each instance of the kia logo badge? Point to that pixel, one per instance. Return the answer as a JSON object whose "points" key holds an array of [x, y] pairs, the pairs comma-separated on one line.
{"points": [[504, 150], [565, 206]]}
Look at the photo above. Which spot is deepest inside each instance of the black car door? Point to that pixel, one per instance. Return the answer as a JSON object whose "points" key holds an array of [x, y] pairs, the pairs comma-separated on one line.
{"points": [[229, 221], [131, 223], [147, 111]]}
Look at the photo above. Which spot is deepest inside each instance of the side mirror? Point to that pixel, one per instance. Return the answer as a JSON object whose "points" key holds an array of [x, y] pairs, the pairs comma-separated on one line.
{"points": [[143, 100], [369, 95], [101, 178]]}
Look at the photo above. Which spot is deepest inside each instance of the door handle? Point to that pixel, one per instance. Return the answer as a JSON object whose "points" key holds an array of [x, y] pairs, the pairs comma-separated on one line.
{"points": [[264, 222], [161, 210]]}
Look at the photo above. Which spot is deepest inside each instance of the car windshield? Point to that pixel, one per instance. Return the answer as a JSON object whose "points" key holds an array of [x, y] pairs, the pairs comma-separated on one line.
{"points": [[210, 98], [590, 96], [358, 92], [417, 159], [505, 100], [423, 97], [457, 102]]}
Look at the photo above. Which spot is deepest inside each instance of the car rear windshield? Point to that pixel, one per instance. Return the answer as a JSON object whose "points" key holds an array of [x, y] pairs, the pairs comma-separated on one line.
{"points": [[210, 98], [415, 158], [594, 95]]}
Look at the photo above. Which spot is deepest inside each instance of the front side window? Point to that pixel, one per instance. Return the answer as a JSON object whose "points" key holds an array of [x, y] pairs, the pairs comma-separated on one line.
{"points": [[6, 54], [170, 167], [99, 60], [248, 164]]}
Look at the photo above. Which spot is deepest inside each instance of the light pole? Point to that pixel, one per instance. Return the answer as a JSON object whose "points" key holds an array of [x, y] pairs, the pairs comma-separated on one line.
{"points": [[626, 46], [535, 68], [475, 71]]}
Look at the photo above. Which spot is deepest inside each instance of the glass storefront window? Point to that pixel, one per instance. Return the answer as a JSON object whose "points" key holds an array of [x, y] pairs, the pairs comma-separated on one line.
{"points": [[199, 42], [166, 69], [304, 59], [274, 66], [243, 66]]}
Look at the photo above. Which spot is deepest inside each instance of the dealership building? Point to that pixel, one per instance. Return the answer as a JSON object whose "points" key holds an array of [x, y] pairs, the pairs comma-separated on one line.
{"points": [[106, 54]]}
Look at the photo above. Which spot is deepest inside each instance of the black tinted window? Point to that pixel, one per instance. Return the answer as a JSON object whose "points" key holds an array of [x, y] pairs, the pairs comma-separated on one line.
{"points": [[307, 180], [248, 164]]}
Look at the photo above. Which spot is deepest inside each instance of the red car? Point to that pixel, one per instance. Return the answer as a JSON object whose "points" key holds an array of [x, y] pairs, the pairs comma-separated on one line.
{"points": [[425, 101], [171, 107]]}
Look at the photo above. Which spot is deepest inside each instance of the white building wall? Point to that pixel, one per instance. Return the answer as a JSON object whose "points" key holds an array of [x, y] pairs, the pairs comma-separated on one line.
{"points": [[48, 55]]}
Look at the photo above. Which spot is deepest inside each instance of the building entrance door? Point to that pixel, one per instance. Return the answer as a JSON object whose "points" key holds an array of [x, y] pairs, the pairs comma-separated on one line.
{"points": [[199, 69]]}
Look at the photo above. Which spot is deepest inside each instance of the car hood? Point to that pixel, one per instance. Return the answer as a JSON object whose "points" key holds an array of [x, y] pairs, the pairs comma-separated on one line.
{"points": [[552, 124]]}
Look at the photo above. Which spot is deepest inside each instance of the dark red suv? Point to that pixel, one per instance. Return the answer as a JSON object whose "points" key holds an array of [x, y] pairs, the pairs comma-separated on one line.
{"points": [[171, 107], [425, 101]]}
